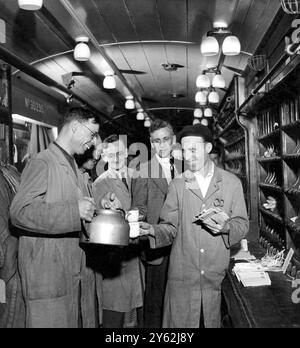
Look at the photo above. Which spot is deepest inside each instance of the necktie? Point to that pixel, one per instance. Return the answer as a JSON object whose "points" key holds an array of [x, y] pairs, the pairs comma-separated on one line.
{"points": [[124, 181], [172, 167]]}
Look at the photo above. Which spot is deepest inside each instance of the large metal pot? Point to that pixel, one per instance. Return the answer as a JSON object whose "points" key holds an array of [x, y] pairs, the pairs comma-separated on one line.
{"points": [[108, 227]]}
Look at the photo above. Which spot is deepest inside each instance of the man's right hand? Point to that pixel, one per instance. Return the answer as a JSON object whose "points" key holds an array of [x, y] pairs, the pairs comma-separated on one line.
{"points": [[111, 201], [146, 229], [87, 208]]}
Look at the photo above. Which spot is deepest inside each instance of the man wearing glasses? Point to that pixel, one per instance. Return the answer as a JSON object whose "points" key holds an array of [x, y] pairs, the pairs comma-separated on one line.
{"points": [[200, 246], [49, 211], [149, 193], [122, 271]]}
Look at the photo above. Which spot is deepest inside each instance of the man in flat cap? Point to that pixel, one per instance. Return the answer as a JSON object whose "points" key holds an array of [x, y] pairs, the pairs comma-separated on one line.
{"points": [[203, 216]]}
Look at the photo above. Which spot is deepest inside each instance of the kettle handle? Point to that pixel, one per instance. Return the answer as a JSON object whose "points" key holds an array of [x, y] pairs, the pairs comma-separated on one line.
{"points": [[118, 209]]}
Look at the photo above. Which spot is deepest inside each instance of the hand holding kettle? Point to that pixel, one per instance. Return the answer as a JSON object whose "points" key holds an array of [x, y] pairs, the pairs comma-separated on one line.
{"points": [[110, 201], [87, 208]]}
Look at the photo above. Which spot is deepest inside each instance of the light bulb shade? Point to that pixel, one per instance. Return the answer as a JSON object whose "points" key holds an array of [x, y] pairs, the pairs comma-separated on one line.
{"points": [[147, 123], [129, 105], [209, 46], [203, 81], [82, 52], [219, 82], [201, 97], [231, 46], [213, 98], [198, 113], [204, 122], [208, 112], [30, 5], [196, 121], [109, 82], [140, 116]]}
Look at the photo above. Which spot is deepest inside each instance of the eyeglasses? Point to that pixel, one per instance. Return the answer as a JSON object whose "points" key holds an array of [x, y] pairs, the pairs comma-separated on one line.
{"points": [[94, 135], [161, 141]]}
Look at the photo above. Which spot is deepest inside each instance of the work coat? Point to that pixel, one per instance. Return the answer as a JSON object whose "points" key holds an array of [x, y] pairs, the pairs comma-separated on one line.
{"points": [[55, 279], [123, 273], [12, 312], [199, 259]]}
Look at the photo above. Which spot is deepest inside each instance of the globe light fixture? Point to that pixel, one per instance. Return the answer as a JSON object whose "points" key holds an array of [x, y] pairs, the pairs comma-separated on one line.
{"points": [[218, 81], [147, 123], [208, 112], [129, 105], [196, 121], [203, 81], [82, 51], [204, 122], [140, 116], [201, 97], [198, 113], [213, 97], [209, 46], [30, 5], [231, 46], [109, 82]]}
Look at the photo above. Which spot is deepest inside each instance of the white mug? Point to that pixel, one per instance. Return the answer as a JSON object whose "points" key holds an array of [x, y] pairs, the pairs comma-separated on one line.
{"points": [[134, 229], [132, 215]]}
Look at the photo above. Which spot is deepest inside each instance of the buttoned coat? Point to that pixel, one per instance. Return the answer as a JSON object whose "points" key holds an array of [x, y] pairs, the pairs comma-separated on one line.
{"points": [[52, 264], [199, 259], [123, 274], [12, 313]]}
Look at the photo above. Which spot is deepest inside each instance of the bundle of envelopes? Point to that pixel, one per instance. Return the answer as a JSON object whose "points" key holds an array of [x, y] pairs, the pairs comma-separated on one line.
{"points": [[251, 274]]}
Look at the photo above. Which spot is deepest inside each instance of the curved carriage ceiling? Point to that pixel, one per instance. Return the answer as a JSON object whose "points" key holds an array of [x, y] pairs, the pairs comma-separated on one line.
{"points": [[136, 35]]}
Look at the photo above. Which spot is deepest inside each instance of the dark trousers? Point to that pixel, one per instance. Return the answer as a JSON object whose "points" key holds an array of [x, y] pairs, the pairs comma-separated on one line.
{"points": [[156, 281]]}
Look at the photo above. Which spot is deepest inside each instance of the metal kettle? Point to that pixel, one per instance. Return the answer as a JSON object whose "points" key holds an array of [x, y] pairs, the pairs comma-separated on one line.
{"points": [[108, 227]]}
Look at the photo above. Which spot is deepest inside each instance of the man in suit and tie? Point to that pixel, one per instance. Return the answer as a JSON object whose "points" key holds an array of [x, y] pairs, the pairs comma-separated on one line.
{"points": [[149, 191]]}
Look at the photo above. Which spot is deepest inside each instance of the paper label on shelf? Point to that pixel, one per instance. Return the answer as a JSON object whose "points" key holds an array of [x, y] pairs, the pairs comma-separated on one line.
{"points": [[287, 260]]}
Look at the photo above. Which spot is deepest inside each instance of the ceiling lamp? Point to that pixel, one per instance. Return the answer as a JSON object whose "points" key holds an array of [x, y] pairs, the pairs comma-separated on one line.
{"points": [[203, 81], [201, 97], [147, 123], [208, 112], [109, 82], [209, 46], [140, 116], [30, 5], [219, 81], [204, 122], [198, 113], [129, 105], [231, 46], [82, 51], [196, 121], [213, 97]]}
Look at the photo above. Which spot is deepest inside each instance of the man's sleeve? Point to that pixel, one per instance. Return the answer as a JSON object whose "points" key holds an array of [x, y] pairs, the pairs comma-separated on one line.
{"points": [[239, 222], [30, 212], [166, 231]]}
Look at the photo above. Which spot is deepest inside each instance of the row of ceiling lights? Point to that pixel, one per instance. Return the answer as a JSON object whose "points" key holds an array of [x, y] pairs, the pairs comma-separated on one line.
{"points": [[209, 47]]}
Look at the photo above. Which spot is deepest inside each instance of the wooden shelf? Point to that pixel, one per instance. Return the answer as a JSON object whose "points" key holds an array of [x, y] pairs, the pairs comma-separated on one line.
{"points": [[270, 159], [271, 187], [236, 158], [291, 157], [270, 135], [272, 215], [291, 126], [235, 141], [228, 126]]}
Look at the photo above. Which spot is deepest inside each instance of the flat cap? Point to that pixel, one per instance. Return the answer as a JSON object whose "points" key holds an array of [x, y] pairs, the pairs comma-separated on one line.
{"points": [[197, 130]]}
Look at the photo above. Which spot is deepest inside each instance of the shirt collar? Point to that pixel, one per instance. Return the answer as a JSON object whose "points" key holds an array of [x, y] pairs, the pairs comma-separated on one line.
{"points": [[163, 161]]}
